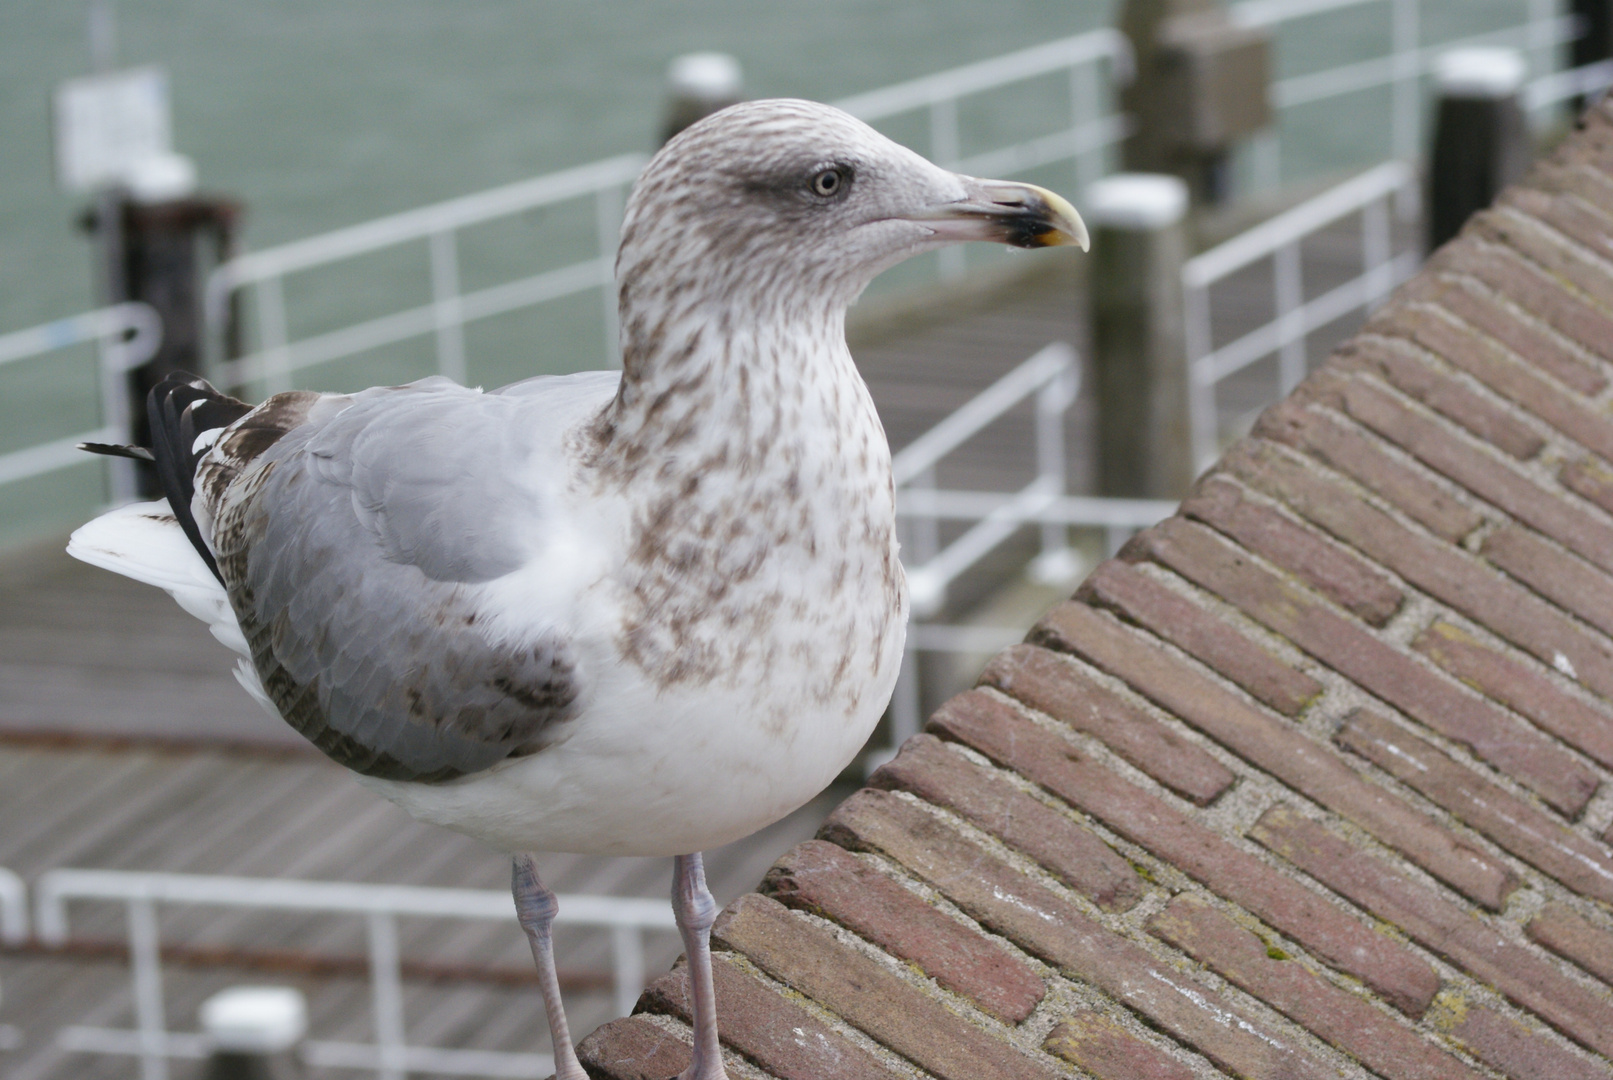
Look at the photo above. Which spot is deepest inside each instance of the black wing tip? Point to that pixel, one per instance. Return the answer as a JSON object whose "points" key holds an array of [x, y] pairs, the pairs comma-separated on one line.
{"points": [[180, 407], [138, 453]]}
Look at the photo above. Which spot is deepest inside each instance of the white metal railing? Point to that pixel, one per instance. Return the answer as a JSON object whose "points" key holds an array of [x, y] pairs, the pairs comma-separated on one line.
{"points": [[1050, 378], [1540, 31], [126, 336], [1560, 86], [1279, 238], [13, 909], [278, 356], [390, 1056]]}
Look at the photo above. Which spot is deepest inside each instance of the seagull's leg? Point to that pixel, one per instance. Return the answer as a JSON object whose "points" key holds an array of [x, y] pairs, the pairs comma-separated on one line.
{"points": [[535, 907], [695, 911]]}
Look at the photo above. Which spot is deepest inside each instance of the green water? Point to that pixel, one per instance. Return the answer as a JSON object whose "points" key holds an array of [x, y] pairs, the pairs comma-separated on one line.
{"points": [[323, 113]]}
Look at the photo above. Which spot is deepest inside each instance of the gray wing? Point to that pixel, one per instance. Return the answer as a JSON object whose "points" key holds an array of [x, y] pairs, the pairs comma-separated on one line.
{"points": [[352, 546]]}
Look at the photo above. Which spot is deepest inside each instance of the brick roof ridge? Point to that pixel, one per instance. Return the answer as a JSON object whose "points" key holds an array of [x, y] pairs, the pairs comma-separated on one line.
{"points": [[1312, 780]]}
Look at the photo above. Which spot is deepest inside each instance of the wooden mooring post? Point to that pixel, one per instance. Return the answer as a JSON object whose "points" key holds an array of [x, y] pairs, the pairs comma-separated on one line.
{"points": [[1481, 137], [254, 1033], [1139, 355]]}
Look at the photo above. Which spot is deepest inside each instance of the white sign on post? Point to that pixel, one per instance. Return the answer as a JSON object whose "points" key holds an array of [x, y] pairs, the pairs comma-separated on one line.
{"points": [[109, 127]]}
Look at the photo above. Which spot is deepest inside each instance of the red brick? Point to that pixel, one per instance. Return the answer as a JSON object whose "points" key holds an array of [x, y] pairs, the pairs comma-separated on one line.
{"points": [[766, 1027], [1569, 583], [1587, 233], [1590, 480], [632, 1048], [1412, 376], [1138, 598], [1052, 684], [1069, 851], [1469, 351], [1482, 473], [1375, 1038], [1568, 935], [1535, 346], [1153, 824], [1449, 929], [1520, 1053], [1351, 650], [1556, 262], [1337, 573], [1105, 1049], [1044, 924], [1447, 574], [1362, 459], [1531, 288], [827, 880], [1576, 179], [1519, 687], [1482, 805], [811, 960]]}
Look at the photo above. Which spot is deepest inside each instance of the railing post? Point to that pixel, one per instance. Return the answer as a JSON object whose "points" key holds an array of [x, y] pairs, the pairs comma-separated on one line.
{"points": [[446, 306], [1085, 94], [1058, 563], [609, 204], [627, 966], [1137, 325], [945, 149], [925, 530], [112, 360], [906, 708], [145, 960], [1481, 139], [386, 986], [1405, 40], [1377, 251], [274, 332], [1290, 297]]}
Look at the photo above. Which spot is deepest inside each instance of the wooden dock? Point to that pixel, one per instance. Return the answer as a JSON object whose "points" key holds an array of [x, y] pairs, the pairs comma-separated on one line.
{"points": [[125, 743]]}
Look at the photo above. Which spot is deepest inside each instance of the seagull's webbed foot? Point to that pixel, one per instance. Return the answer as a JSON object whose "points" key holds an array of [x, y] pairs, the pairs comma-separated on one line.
{"points": [[695, 912], [535, 907]]}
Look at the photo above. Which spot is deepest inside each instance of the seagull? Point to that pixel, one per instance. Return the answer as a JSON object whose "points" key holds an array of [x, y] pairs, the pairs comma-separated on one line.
{"points": [[644, 612]]}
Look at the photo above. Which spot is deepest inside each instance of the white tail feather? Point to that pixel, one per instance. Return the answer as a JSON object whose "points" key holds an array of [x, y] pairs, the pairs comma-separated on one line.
{"points": [[143, 541]]}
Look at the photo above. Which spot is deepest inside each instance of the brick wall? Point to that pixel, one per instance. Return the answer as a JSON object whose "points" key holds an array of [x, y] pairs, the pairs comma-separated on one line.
{"points": [[1312, 781]]}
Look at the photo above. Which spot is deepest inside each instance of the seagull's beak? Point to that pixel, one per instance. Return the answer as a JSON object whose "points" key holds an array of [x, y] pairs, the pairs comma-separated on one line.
{"points": [[1004, 212]]}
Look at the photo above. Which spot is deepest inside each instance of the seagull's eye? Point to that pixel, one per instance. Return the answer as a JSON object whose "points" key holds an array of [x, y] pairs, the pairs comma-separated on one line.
{"points": [[828, 183]]}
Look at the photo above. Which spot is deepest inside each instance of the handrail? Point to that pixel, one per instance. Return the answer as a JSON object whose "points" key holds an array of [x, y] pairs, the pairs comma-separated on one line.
{"points": [[390, 1056], [115, 357], [102, 324], [988, 405], [276, 355], [1266, 238], [55, 887], [419, 223], [1562, 85], [1279, 238], [1041, 59]]}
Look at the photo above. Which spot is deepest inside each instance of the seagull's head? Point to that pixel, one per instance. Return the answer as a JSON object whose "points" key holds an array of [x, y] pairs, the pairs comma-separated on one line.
{"points": [[780, 205]]}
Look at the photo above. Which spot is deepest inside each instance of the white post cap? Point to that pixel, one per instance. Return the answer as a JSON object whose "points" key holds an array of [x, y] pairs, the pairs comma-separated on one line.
{"points": [[255, 1019], [705, 76], [1489, 72], [1136, 201], [159, 178]]}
